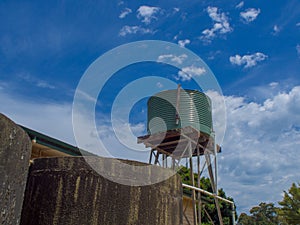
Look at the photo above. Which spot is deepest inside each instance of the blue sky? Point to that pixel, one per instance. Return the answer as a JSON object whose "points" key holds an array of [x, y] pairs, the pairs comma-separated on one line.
{"points": [[252, 47]]}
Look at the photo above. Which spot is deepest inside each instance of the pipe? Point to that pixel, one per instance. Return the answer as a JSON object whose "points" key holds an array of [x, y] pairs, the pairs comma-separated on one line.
{"points": [[215, 196]]}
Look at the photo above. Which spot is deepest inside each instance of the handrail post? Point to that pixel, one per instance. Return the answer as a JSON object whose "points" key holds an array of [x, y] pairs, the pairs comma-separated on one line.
{"points": [[233, 214], [215, 196]]}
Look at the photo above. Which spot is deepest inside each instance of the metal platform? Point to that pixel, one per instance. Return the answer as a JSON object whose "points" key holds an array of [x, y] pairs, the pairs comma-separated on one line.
{"points": [[174, 142]]}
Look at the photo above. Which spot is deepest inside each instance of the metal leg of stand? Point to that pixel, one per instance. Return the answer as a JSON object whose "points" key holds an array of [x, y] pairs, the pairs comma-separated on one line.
{"points": [[213, 185], [151, 153], [193, 184], [156, 158], [198, 184]]}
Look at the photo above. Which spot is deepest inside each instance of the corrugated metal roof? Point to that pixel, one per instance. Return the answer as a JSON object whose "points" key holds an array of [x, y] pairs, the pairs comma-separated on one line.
{"points": [[53, 143]]}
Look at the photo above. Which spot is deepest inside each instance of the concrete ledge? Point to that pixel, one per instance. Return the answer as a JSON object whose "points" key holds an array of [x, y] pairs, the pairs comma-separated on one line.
{"points": [[15, 151], [68, 191]]}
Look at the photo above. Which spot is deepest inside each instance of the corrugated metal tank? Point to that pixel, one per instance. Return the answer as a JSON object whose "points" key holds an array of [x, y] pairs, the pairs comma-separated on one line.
{"points": [[194, 110]]}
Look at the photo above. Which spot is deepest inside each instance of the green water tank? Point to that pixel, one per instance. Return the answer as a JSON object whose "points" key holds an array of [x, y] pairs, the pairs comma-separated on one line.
{"points": [[194, 110]]}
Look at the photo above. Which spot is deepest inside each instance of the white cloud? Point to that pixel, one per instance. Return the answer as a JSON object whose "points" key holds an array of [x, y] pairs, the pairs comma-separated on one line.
{"points": [[176, 10], [44, 84], [125, 12], [159, 85], [240, 5], [134, 30], [260, 147], [85, 96], [221, 24], [147, 13], [187, 73], [298, 49], [172, 58], [250, 15], [54, 120], [177, 35], [273, 84], [248, 60], [121, 140], [214, 54], [276, 29], [183, 43], [35, 81]]}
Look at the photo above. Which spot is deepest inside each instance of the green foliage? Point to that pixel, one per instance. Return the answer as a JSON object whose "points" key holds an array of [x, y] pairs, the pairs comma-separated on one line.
{"points": [[244, 219], [208, 202], [264, 214], [268, 214], [290, 211]]}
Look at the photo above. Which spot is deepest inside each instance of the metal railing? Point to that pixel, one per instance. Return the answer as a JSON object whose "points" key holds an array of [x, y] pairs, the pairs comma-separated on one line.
{"points": [[215, 196]]}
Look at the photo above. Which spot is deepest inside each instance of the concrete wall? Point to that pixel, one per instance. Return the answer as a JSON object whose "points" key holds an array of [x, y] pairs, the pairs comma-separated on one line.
{"points": [[188, 217], [67, 191], [15, 150]]}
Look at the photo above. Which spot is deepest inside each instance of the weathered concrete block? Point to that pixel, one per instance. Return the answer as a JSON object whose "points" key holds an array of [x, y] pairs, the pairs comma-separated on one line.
{"points": [[67, 191], [15, 150]]}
